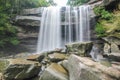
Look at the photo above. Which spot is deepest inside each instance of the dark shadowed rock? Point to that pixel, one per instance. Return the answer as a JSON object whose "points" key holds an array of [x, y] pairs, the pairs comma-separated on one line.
{"points": [[114, 57]]}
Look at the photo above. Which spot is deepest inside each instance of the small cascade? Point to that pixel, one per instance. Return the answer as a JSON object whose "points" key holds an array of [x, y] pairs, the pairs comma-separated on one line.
{"points": [[62, 25]]}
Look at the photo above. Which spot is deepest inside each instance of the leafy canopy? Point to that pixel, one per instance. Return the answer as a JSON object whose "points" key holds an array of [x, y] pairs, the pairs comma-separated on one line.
{"points": [[8, 8]]}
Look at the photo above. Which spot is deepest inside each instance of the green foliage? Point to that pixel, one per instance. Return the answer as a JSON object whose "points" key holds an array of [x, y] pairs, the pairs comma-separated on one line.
{"points": [[32, 3], [77, 2], [7, 31], [104, 15], [8, 8], [8, 35], [100, 11], [15, 6], [51, 2], [100, 30], [3, 65]]}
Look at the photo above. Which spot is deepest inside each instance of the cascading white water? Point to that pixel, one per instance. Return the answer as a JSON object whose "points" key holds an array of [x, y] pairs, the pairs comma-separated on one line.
{"points": [[61, 25]]}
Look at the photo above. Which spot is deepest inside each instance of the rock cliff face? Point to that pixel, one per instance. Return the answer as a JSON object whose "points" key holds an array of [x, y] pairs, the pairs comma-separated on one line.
{"points": [[29, 20], [33, 15]]}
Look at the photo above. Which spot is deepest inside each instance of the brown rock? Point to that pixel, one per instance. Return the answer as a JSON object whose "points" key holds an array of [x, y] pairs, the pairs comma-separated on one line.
{"points": [[20, 69], [56, 57], [54, 72], [36, 57]]}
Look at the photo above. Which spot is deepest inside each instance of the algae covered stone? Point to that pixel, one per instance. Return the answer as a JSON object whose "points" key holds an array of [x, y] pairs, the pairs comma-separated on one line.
{"points": [[3, 65], [79, 48]]}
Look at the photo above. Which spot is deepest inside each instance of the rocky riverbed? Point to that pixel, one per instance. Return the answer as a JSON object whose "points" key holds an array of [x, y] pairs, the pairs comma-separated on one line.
{"points": [[71, 64]]}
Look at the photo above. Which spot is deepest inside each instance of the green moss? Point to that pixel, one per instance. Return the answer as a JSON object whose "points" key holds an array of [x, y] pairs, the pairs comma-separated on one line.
{"points": [[100, 30], [104, 14], [108, 22], [3, 65]]}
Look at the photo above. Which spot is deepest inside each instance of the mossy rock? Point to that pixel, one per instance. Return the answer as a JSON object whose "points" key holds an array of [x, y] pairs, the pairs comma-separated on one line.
{"points": [[20, 69], [79, 48], [3, 65]]}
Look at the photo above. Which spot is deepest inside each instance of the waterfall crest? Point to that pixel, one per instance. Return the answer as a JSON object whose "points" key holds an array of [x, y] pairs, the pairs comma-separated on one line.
{"points": [[62, 25]]}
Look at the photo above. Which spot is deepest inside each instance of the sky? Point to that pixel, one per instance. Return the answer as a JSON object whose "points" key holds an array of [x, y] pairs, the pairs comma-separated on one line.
{"points": [[60, 2]]}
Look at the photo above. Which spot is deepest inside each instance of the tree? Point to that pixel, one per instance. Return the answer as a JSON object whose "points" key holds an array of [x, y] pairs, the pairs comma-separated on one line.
{"points": [[51, 2], [7, 31], [8, 8], [77, 2]]}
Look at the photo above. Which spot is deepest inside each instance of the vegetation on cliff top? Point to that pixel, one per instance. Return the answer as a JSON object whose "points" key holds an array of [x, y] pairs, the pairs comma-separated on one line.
{"points": [[108, 21]]}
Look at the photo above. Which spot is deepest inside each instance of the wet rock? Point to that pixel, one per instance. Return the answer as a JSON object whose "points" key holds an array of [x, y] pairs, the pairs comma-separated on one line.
{"points": [[97, 50], [79, 48], [56, 57], [83, 68], [114, 57], [20, 69], [54, 72], [36, 57]]}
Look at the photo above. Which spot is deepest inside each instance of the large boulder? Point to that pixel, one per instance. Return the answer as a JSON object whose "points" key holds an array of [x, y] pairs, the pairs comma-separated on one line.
{"points": [[79, 48], [83, 68], [56, 57], [20, 69], [112, 44], [36, 57], [54, 72]]}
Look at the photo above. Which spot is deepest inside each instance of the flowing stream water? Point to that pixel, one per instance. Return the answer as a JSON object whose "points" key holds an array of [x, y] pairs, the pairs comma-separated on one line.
{"points": [[62, 25]]}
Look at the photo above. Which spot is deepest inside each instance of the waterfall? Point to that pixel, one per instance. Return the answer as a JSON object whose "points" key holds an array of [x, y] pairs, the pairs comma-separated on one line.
{"points": [[62, 25]]}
